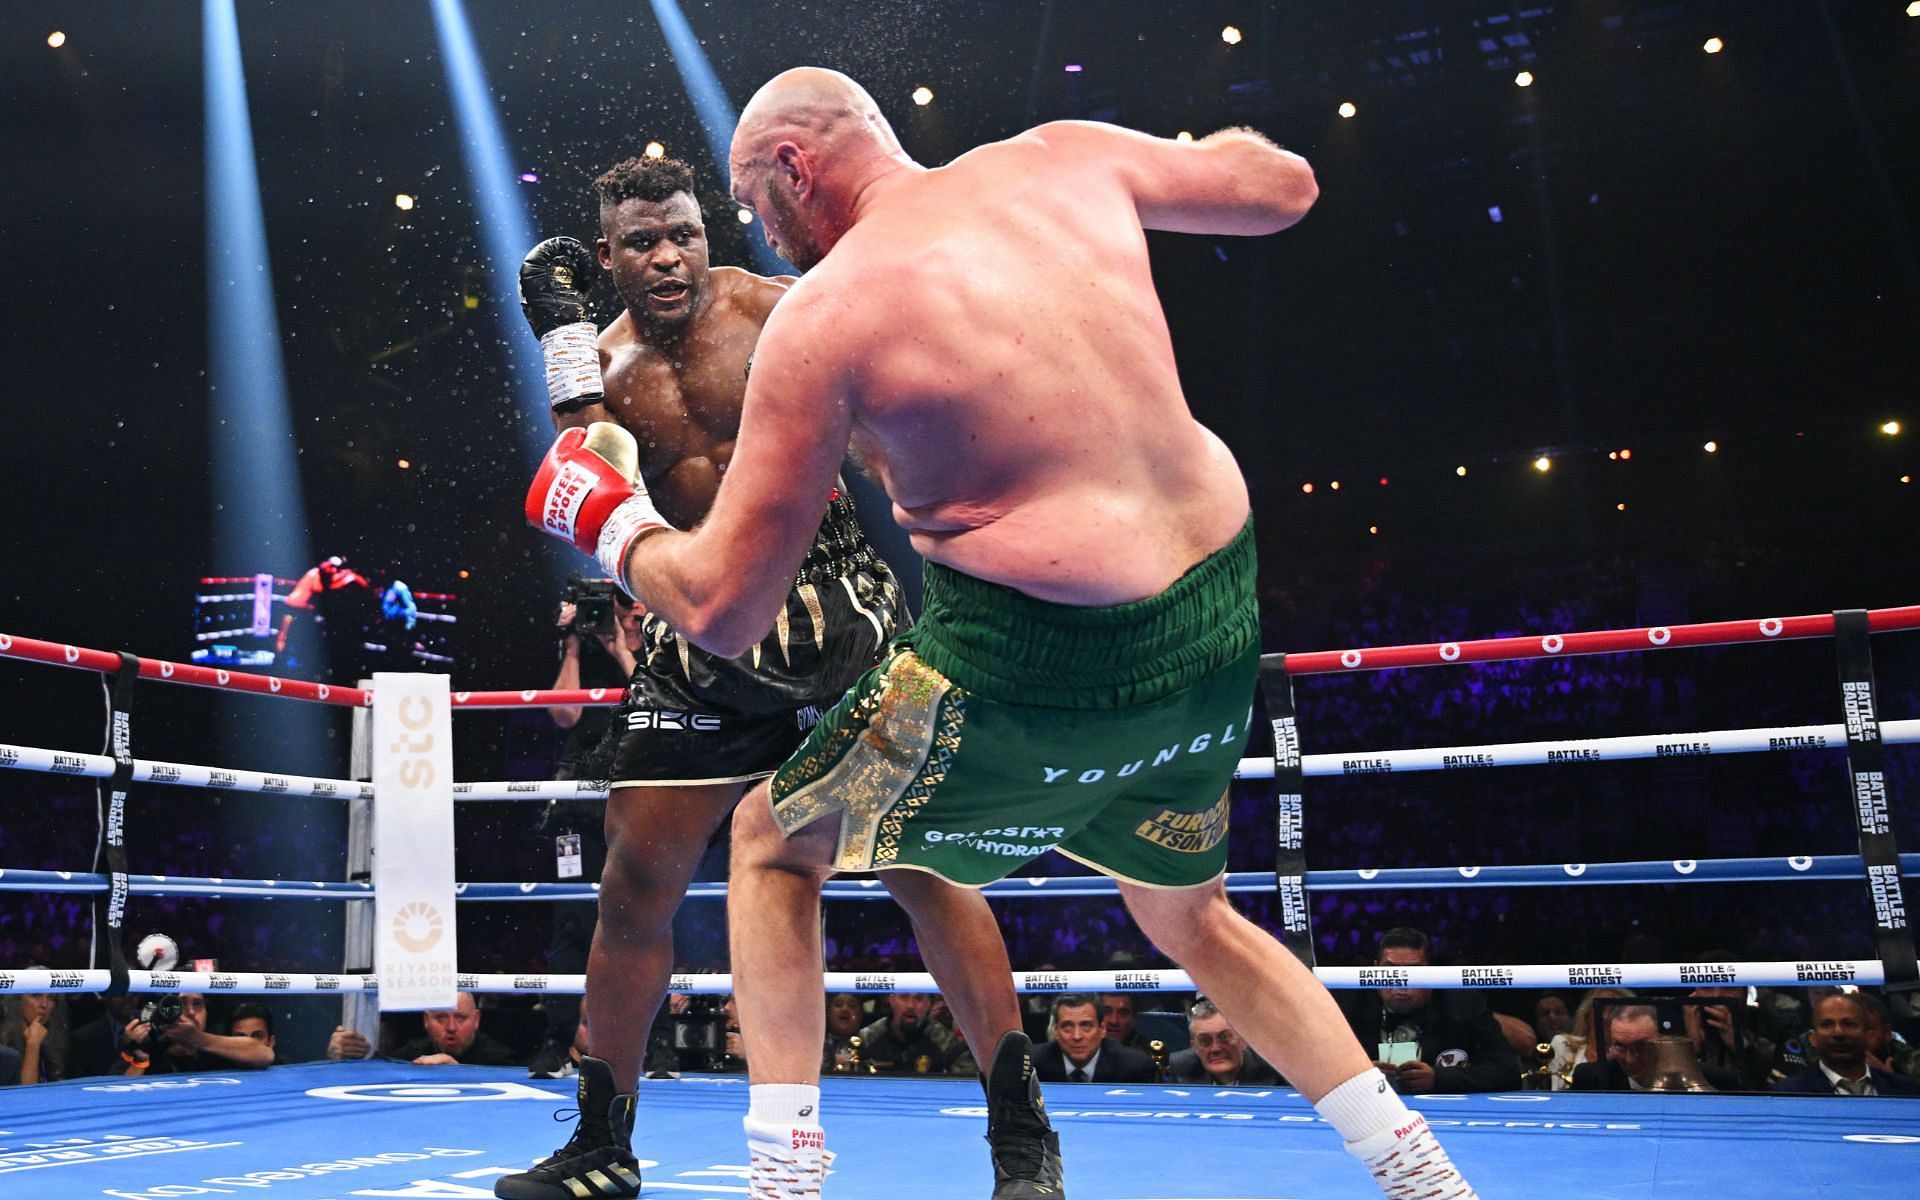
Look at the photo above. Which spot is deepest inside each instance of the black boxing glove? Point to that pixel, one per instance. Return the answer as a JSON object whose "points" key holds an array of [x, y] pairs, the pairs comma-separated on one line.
{"points": [[553, 296]]}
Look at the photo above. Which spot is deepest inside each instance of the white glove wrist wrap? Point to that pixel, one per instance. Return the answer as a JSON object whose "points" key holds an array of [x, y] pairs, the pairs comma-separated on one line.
{"points": [[572, 354], [635, 516]]}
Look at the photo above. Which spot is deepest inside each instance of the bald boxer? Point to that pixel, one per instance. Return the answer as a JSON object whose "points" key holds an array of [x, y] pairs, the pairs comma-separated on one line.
{"points": [[697, 727], [988, 335]]}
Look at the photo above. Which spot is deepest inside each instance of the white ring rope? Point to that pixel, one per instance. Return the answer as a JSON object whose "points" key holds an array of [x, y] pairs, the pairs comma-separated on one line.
{"points": [[1378, 762], [1568, 975], [100, 766]]}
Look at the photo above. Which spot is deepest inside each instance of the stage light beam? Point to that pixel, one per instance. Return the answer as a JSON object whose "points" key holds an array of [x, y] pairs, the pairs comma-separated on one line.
{"points": [[1231, 35], [259, 517], [1714, 45], [923, 96], [403, 202], [710, 103], [1543, 464], [1348, 110], [1523, 79], [1891, 428], [56, 39], [505, 228]]}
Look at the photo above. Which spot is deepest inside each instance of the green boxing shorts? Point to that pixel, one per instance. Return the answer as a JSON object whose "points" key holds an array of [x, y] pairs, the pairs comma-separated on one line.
{"points": [[1000, 727]]}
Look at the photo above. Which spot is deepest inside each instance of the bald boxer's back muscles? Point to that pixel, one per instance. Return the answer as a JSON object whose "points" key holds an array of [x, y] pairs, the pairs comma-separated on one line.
{"points": [[681, 401], [1012, 379]]}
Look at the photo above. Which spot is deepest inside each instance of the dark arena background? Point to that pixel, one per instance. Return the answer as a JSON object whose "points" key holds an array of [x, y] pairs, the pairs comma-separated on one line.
{"points": [[1607, 317]]}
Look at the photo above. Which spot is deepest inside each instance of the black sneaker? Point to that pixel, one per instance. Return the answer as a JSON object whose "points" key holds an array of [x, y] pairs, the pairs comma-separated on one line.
{"points": [[597, 1161], [1026, 1150]]}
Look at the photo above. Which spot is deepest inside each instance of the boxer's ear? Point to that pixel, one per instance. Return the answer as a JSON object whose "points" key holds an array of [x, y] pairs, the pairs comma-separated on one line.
{"points": [[795, 169]]}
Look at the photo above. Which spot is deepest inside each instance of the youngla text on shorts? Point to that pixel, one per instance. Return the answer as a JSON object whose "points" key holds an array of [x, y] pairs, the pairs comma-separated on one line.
{"points": [[1228, 738]]}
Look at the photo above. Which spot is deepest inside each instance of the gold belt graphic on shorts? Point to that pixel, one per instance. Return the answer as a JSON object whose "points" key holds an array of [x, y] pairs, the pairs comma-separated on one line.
{"points": [[881, 765]]}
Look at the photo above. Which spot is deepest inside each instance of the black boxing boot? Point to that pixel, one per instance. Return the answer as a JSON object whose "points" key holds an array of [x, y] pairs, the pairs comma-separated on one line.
{"points": [[598, 1160], [1026, 1150]]}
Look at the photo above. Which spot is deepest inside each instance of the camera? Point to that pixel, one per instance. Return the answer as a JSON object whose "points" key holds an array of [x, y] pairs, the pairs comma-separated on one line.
{"points": [[592, 601], [694, 1040], [161, 1015]]}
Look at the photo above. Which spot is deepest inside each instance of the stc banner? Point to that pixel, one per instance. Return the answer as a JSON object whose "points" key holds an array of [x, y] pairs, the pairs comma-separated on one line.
{"points": [[415, 952]]}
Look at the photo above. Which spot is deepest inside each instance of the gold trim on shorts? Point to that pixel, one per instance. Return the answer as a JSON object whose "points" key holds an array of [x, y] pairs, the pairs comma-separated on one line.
{"points": [[879, 765]]}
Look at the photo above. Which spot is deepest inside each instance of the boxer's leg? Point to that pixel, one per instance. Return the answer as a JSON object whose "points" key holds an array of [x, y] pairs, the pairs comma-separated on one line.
{"points": [[1283, 1012], [655, 839], [773, 927], [773, 924], [961, 945]]}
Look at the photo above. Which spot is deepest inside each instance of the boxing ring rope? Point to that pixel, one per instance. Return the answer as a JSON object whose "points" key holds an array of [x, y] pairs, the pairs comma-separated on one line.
{"points": [[1318, 662], [1549, 752], [1826, 867], [1524, 975], [1360, 762], [1608, 641]]}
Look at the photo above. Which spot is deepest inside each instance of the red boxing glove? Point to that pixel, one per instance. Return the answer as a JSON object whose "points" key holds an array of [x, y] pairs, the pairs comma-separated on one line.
{"points": [[588, 492]]}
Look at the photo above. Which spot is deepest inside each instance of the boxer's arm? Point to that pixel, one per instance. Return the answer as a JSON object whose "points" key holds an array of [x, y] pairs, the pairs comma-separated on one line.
{"points": [[1233, 182], [723, 584]]}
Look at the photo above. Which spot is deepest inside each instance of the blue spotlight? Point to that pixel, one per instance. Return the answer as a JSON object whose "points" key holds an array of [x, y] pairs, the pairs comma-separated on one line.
{"points": [[506, 231], [717, 114], [259, 519]]}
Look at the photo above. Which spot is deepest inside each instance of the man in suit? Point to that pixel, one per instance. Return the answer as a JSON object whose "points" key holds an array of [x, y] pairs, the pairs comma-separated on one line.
{"points": [[1079, 1052], [1840, 1065], [1118, 1011], [1428, 1042], [1219, 1055]]}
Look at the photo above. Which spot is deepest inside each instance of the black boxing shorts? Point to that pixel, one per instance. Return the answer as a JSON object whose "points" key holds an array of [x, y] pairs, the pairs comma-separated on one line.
{"points": [[690, 717]]}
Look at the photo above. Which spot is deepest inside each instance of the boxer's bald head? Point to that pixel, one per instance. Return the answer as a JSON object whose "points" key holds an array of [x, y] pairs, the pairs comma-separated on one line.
{"points": [[807, 143]]}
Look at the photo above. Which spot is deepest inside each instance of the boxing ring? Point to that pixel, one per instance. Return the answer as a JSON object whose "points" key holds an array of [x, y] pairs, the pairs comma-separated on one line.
{"points": [[271, 1132], [335, 1130]]}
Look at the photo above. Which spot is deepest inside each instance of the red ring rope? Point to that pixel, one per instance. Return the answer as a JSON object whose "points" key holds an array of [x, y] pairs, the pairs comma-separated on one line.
{"points": [[1610, 641], [1317, 662]]}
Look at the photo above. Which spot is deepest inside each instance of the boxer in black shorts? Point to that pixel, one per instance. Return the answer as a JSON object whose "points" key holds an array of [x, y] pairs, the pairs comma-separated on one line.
{"points": [[695, 729]]}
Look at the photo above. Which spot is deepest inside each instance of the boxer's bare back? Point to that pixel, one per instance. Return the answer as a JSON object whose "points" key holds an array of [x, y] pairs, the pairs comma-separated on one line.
{"points": [[1006, 368]]}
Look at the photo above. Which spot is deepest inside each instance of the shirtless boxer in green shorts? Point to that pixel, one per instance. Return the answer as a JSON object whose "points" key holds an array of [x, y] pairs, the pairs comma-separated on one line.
{"points": [[988, 335]]}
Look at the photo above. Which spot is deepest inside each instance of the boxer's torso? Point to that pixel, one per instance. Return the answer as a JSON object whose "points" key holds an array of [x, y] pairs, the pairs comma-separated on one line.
{"points": [[1031, 430], [681, 397]]}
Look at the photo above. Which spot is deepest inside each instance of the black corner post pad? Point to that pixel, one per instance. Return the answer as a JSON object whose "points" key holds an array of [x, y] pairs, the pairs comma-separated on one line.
{"points": [[1872, 805], [110, 910], [1290, 861]]}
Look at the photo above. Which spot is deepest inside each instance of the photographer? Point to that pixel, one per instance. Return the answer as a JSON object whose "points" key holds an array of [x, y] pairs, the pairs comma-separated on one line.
{"points": [[599, 637], [170, 1036]]}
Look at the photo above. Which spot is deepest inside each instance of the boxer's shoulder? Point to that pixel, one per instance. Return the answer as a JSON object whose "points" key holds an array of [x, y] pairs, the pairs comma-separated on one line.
{"points": [[743, 295], [618, 334]]}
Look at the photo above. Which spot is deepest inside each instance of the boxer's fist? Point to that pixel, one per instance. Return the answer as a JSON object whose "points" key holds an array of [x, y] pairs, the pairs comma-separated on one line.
{"points": [[588, 492], [553, 284]]}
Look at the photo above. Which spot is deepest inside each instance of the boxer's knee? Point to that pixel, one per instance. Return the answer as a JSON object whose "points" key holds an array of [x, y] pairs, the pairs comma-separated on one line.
{"points": [[760, 844], [1180, 921]]}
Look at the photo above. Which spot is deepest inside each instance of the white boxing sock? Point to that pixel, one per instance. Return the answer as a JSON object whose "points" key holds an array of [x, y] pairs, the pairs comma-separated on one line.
{"points": [[786, 1148], [783, 1104], [1363, 1106], [1391, 1140]]}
